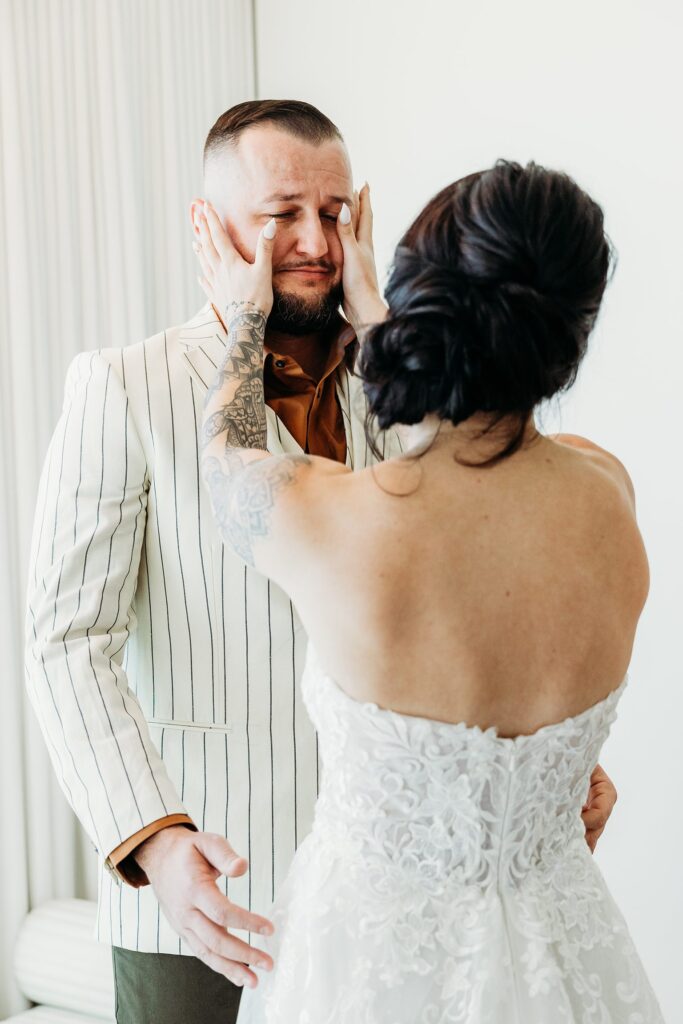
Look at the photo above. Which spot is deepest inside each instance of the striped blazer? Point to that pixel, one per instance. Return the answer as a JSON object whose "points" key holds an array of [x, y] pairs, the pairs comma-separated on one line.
{"points": [[164, 672]]}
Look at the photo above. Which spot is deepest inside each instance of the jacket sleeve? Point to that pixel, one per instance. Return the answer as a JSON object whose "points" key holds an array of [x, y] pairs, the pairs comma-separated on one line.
{"points": [[85, 555]]}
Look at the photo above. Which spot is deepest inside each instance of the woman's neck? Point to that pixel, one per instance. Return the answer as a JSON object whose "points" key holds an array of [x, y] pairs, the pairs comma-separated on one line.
{"points": [[466, 438]]}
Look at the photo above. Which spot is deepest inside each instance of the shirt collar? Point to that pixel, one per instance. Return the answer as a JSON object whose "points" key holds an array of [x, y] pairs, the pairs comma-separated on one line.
{"points": [[342, 348]]}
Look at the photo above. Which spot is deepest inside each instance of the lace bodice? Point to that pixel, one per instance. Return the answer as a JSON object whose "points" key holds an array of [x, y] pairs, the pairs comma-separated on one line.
{"points": [[447, 804], [447, 879]]}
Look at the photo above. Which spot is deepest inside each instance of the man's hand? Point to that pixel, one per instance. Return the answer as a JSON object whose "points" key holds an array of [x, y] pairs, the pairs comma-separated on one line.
{"points": [[182, 867], [602, 797]]}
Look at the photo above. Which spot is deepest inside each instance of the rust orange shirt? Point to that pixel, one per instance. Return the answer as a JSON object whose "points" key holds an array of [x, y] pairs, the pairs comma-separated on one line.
{"points": [[308, 408]]}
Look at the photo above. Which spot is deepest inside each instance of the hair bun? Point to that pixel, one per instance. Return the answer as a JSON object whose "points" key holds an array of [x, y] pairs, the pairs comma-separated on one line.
{"points": [[488, 309]]}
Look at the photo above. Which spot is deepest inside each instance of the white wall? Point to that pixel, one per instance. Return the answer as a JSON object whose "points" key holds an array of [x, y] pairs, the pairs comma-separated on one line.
{"points": [[426, 92]]}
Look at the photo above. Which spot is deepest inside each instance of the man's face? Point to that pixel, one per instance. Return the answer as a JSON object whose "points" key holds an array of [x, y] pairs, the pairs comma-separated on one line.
{"points": [[274, 174]]}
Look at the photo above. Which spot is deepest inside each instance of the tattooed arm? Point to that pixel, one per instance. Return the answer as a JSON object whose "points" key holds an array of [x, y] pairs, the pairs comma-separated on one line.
{"points": [[243, 479], [258, 510]]}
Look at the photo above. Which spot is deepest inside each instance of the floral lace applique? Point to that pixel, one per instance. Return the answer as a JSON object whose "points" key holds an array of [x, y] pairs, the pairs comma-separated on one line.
{"points": [[447, 880]]}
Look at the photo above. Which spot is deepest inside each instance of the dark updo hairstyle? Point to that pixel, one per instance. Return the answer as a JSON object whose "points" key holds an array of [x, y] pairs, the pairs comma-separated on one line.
{"points": [[492, 294]]}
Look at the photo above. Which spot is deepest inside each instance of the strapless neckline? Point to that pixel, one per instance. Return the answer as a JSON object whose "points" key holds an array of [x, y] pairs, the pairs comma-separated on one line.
{"points": [[491, 732]]}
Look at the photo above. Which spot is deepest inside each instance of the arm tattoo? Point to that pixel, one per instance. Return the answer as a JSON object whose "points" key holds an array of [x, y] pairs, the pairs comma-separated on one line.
{"points": [[243, 501], [242, 490], [240, 409]]}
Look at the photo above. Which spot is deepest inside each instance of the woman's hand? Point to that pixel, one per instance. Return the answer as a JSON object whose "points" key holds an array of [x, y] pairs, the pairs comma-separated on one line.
{"points": [[363, 303], [228, 279]]}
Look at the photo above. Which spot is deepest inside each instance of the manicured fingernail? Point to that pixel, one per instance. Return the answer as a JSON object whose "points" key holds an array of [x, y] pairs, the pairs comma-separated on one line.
{"points": [[344, 214], [265, 930], [270, 228]]}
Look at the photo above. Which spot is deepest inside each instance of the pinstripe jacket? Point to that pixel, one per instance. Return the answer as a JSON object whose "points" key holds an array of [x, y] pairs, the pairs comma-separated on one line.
{"points": [[165, 672]]}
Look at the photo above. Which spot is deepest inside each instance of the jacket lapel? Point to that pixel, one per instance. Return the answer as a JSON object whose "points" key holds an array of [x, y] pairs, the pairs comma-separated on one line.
{"points": [[202, 343], [352, 402]]}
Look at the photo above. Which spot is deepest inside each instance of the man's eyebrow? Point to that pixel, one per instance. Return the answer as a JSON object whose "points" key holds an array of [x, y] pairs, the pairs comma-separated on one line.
{"points": [[290, 197]]}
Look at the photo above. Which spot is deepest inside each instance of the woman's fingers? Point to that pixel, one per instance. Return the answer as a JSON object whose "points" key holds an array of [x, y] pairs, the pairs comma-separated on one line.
{"points": [[265, 245], [227, 276], [205, 287], [364, 232], [207, 269], [355, 211], [211, 254], [345, 226], [219, 236]]}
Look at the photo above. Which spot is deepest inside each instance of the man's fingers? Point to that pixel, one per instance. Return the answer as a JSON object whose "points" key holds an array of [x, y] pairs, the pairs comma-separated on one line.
{"points": [[237, 973], [220, 854], [592, 838], [601, 800], [218, 908], [599, 774], [226, 945], [594, 818]]}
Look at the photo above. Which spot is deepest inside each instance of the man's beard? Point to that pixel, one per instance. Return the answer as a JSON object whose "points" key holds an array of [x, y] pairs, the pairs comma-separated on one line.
{"points": [[294, 314]]}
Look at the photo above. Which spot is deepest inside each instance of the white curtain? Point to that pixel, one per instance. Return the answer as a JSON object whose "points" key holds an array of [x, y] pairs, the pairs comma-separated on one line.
{"points": [[104, 108]]}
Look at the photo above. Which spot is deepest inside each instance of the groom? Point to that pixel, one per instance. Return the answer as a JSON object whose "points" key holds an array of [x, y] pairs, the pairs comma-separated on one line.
{"points": [[164, 672]]}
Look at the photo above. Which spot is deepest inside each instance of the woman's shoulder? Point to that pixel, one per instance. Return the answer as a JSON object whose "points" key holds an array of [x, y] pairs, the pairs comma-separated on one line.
{"points": [[601, 457], [619, 514]]}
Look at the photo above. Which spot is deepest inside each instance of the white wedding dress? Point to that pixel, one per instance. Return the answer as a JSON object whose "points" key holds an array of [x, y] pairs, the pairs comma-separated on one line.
{"points": [[447, 879]]}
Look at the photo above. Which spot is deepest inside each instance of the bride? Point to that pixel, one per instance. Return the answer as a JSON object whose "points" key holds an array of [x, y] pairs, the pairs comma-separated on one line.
{"points": [[471, 609]]}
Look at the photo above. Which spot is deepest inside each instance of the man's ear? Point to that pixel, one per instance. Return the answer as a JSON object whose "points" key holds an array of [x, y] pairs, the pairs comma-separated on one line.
{"points": [[196, 206]]}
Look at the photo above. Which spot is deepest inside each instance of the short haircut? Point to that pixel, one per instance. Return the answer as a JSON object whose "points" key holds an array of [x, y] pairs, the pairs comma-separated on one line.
{"points": [[294, 116]]}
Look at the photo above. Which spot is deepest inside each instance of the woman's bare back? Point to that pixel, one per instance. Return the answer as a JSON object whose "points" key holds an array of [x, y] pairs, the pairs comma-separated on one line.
{"points": [[506, 596]]}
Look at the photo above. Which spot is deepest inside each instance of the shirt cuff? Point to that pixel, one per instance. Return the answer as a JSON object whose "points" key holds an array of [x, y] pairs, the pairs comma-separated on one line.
{"points": [[121, 864]]}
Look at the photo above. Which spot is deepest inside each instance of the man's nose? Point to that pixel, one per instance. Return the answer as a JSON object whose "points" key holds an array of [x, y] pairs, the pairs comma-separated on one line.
{"points": [[311, 239]]}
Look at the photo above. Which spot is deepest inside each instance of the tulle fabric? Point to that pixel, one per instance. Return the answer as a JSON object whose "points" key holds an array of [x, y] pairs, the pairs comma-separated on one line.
{"points": [[447, 880]]}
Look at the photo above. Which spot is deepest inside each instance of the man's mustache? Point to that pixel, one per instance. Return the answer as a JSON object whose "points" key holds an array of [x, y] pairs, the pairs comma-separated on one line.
{"points": [[308, 265]]}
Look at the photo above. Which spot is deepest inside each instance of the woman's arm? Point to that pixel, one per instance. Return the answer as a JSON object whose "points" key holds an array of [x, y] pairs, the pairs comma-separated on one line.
{"points": [[242, 477]]}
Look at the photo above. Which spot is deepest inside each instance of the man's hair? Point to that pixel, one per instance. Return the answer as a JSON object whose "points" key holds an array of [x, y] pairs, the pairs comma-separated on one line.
{"points": [[294, 116]]}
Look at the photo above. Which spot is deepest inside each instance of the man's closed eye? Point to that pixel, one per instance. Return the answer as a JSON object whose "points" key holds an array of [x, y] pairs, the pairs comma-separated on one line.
{"points": [[326, 216]]}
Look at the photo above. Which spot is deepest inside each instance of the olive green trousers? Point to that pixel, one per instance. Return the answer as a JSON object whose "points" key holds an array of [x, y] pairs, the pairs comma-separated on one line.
{"points": [[163, 988]]}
